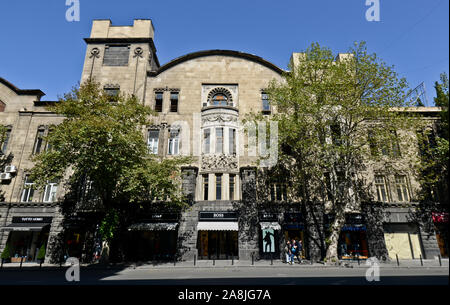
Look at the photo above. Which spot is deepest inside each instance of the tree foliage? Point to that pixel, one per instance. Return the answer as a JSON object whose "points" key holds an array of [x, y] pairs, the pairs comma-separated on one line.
{"points": [[336, 114], [100, 144]]}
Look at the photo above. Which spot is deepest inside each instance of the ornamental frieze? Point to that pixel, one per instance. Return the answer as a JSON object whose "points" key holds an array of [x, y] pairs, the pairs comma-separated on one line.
{"points": [[219, 162]]}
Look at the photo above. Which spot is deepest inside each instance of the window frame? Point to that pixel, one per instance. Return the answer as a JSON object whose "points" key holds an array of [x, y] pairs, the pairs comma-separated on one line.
{"points": [[151, 144], [385, 185], [27, 190]]}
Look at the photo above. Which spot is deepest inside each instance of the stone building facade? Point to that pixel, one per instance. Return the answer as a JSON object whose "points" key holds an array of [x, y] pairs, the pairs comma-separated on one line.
{"points": [[201, 99]]}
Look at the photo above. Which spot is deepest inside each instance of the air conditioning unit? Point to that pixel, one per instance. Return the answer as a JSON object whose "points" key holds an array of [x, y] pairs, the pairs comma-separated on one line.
{"points": [[10, 169], [5, 176]]}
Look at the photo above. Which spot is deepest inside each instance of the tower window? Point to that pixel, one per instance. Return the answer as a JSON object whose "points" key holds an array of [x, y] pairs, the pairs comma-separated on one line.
{"points": [[265, 102], [116, 55]]}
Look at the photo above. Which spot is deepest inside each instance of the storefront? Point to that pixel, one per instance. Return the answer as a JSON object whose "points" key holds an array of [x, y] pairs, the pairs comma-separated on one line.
{"points": [[269, 235], [440, 221], [294, 228], [153, 238], [217, 235], [26, 236], [80, 236], [352, 242], [402, 240]]}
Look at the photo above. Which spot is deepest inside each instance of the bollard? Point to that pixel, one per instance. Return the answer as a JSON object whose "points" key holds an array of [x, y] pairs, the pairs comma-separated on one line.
{"points": [[398, 264], [253, 259], [271, 259], [40, 264], [174, 260], [421, 262], [21, 261], [2, 264], [232, 260], [440, 263], [214, 261], [195, 258], [358, 260]]}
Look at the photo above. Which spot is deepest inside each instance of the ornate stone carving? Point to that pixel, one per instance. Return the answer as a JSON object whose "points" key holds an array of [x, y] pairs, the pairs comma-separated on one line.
{"points": [[138, 52], [167, 89], [219, 118], [95, 52], [219, 162]]}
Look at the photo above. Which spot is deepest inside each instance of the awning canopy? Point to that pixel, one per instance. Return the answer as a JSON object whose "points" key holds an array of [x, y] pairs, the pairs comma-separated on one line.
{"points": [[270, 225], [218, 226], [153, 226], [26, 226]]}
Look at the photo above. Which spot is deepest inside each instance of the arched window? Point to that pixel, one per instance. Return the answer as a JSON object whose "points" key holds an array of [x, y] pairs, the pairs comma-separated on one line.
{"points": [[220, 97], [2, 106]]}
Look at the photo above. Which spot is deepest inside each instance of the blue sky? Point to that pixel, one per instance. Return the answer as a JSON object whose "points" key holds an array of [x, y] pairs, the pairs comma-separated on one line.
{"points": [[39, 49]]}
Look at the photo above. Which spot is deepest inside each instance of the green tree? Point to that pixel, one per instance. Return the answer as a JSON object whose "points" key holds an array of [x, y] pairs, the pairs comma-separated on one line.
{"points": [[41, 253], [334, 112], [6, 254], [100, 145]]}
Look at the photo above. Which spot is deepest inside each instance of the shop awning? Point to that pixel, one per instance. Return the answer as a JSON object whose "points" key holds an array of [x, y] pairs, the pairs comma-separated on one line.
{"points": [[217, 226], [26, 226], [270, 225], [153, 226]]}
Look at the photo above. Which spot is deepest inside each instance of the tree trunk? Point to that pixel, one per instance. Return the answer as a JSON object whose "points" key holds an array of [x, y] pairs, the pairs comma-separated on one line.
{"points": [[332, 251]]}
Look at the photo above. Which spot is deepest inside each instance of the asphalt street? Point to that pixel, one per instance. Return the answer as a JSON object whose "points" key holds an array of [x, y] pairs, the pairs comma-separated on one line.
{"points": [[286, 275]]}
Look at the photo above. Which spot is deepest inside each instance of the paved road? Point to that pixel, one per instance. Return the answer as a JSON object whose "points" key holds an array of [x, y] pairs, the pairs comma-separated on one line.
{"points": [[287, 275]]}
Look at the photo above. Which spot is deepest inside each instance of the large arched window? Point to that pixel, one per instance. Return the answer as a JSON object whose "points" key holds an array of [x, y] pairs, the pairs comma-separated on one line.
{"points": [[220, 97]]}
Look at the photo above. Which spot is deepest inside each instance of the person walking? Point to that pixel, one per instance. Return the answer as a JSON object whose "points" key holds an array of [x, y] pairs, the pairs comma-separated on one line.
{"points": [[294, 250], [299, 251], [287, 252]]}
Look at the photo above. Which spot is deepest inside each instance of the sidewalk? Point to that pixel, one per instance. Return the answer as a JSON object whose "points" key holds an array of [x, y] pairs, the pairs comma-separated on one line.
{"points": [[428, 263]]}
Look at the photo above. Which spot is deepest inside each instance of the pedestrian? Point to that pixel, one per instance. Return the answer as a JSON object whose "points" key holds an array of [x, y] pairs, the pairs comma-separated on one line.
{"points": [[299, 251], [294, 250], [287, 251]]}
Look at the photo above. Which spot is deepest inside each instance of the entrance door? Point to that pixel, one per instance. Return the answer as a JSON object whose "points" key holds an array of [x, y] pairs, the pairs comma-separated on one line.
{"points": [[217, 244]]}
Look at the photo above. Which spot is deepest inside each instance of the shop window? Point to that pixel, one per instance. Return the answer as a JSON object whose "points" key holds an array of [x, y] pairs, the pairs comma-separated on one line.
{"points": [[205, 186], [218, 186], [174, 142], [402, 188], [232, 185], [116, 55], [153, 141], [206, 140], [50, 191], [28, 190], [4, 140], [158, 101], [380, 184], [174, 102], [219, 140]]}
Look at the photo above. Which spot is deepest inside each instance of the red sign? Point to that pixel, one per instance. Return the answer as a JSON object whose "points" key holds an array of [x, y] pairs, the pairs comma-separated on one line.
{"points": [[440, 217]]}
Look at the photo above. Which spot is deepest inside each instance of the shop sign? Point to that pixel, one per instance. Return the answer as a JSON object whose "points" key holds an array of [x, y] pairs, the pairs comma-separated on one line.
{"points": [[440, 217], [162, 217], [268, 217], [219, 216], [31, 219]]}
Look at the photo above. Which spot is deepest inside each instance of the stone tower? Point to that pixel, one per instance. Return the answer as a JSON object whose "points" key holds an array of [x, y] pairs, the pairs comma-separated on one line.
{"points": [[119, 57]]}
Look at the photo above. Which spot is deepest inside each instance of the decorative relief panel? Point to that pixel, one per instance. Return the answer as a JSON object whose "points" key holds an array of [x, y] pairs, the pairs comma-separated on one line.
{"points": [[219, 162]]}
